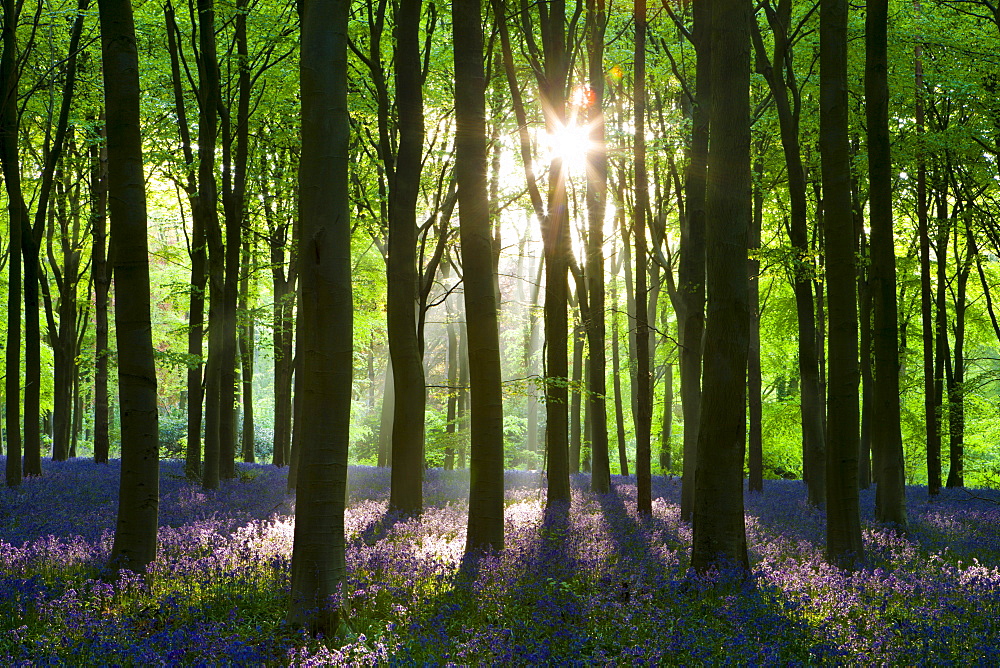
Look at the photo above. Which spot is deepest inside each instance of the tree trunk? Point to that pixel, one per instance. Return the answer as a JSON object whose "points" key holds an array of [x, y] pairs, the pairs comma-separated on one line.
{"points": [[207, 196], [719, 529], [932, 418], [556, 246], [407, 358], [597, 178], [617, 386], [138, 496], [865, 469], [102, 282], [887, 440], [956, 375], [486, 508], [844, 546], [755, 445], [246, 353], [326, 340], [17, 216], [576, 416], [644, 383], [691, 271], [941, 352]]}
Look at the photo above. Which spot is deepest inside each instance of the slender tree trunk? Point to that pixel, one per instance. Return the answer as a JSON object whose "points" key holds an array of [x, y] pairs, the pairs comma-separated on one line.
{"points": [[844, 546], [956, 375], [138, 496], [597, 178], [887, 440], [865, 469], [755, 445], [207, 196], [644, 384], [691, 272], [385, 423], [247, 358], [932, 419], [576, 416], [408, 371], [486, 515], [452, 404], [326, 340], [941, 319], [617, 386], [555, 239], [102, 282], [719, 530], [17, 216], [462, 411]]}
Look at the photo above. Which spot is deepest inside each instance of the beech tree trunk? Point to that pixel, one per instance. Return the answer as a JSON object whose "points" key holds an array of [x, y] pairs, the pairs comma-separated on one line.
{"points": [[326, 339], [956, 374], [102, 282], [755, 445], [932, 419], [138, 496], [486, 514], [887, 440], [644, 379], [719, 529], [691, 271], [208, 94], [844, 546], [404, 182], [597, 178], [576, 416], [617, 386], [17, 216]]}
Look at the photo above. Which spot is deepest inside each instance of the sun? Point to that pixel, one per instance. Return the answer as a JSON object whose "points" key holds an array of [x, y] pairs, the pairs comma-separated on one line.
{"points": [[570, 143]]}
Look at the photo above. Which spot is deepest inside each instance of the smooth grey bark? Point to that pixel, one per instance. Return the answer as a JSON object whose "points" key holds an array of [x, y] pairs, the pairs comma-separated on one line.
{"points": [[486, 507], [138, 493], [887, 440], [643, 376], [844, 546], [326, 341], [719, 527], [406, 493], [691, 270], [17, 216], [597, 177]]}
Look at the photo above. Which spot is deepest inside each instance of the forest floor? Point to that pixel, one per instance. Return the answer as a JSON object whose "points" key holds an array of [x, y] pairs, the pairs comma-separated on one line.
{"points": [[598, 585]]}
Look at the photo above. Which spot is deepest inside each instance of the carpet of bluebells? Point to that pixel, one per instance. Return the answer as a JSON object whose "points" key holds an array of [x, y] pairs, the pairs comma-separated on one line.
{"points": [[594, 584]]}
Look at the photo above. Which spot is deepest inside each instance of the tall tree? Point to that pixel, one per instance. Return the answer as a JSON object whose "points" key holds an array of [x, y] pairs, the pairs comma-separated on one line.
{"points": [[404, 345], [719, 529], [17, 219], [887, 440], [326, 335], [932, 417], [644, 379], [486, 400], [597, 187], [843, 529], [102, 283], [208, 130], [138, 496], [691, 271]]}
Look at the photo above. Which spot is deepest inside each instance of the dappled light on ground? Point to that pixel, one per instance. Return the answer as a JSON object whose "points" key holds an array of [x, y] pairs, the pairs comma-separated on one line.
{"points": [[592, 583]]}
